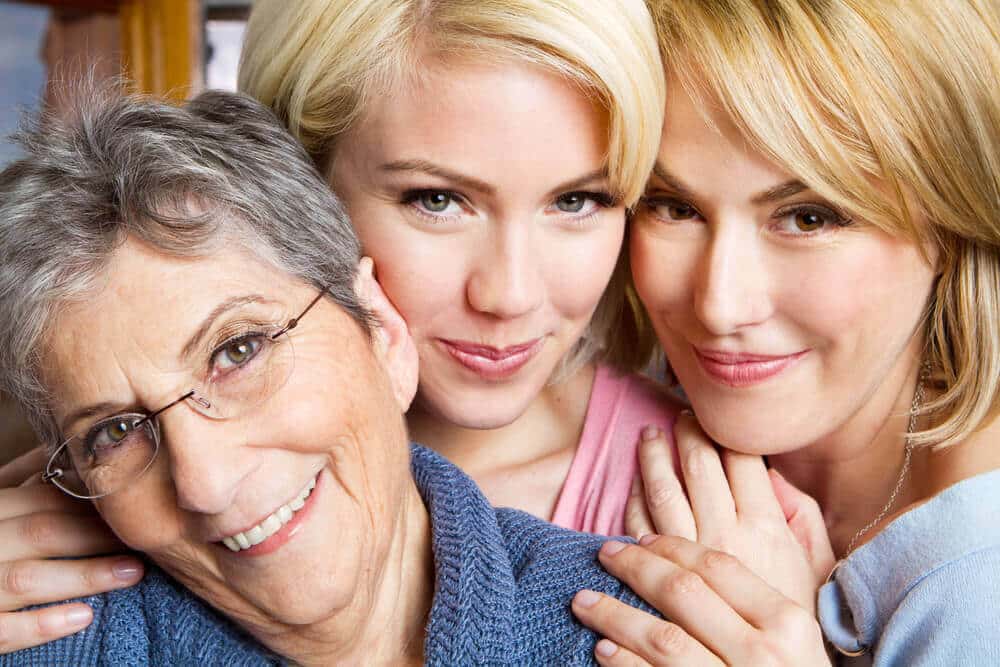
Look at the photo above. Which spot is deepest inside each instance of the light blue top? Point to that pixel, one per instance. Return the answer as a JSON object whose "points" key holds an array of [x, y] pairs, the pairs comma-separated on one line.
{"points": [[926, 590]]}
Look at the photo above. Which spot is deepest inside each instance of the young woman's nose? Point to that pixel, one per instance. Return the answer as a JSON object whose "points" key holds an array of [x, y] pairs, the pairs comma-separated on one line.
{"points": [[732, 290], [505, 280]]}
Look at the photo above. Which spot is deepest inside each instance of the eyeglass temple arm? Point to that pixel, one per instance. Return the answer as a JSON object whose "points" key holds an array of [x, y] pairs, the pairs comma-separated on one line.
{"points": [[294, 322]]}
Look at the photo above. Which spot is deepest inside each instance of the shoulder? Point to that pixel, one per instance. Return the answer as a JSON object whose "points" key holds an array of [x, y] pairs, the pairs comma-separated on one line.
{"points": [[156, 622], [925, 589], [947, 616], [550, 564]]}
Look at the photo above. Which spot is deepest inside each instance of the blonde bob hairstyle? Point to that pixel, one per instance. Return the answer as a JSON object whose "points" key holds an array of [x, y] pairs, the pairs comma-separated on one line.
{"points": [[319, 64], [891, 110]]}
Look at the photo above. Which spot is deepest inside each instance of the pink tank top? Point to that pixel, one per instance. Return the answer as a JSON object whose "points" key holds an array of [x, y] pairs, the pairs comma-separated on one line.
{"points": [[597, 488]]}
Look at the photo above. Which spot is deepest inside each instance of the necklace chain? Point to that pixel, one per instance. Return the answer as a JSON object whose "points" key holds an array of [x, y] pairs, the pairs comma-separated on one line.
{"points": [[918, 399]]}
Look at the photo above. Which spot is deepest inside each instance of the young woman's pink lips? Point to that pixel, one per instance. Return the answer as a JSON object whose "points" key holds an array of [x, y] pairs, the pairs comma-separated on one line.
{"points": [[491, 363], [737, 369], [285, 533]]}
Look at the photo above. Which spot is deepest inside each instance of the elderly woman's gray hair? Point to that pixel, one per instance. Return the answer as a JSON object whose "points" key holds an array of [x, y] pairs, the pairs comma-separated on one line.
{"points": [[221, 169]]}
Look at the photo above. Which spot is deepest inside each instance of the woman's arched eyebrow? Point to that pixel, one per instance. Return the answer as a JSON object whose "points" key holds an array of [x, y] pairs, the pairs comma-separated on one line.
{"points": [[218, 311], [426, 167], [779, 192], [772, 194]]}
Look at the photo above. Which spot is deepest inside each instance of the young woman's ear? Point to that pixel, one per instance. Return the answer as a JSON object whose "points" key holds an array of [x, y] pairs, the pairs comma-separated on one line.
{"points": [[393, 343]]}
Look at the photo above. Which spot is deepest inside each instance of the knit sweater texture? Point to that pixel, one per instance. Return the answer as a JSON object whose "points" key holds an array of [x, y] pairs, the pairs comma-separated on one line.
{"points": [[503, 584]]}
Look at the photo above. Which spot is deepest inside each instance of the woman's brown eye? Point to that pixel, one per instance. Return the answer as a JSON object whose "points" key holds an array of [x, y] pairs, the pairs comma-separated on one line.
{"points": [[239, 352], [807, 221], [436, 202], [118, 430], [681, 211]]}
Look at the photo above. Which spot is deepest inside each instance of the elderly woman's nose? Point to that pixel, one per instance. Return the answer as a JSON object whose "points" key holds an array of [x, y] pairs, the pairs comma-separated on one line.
{"points": [[505, 281], [203, 467]]}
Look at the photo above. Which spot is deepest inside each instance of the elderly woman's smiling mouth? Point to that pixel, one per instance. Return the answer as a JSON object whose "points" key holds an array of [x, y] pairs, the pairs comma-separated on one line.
{"points": [[274, 531]]}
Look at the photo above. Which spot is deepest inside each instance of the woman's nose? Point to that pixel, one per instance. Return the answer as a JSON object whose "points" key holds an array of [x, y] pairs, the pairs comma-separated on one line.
{"points": [[505, 282], [204, 470], [733, 291]]}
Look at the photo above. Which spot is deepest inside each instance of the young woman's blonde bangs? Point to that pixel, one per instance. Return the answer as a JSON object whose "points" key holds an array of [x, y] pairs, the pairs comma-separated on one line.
{"points": [[891, 111], [318, 63]]}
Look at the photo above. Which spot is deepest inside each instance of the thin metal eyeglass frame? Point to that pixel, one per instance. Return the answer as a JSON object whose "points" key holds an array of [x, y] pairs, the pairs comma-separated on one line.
{"points": [[50, 474]]}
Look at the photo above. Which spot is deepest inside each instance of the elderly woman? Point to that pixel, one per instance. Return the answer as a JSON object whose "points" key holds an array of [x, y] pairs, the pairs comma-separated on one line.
{"points": [[186, 325]]}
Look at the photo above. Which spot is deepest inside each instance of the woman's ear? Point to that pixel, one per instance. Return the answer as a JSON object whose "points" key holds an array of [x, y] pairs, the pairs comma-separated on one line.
{"points": [[393, 344]]}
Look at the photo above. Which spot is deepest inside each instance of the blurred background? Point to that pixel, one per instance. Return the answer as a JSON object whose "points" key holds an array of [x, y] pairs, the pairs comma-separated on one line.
{"points": [[173, 48]]}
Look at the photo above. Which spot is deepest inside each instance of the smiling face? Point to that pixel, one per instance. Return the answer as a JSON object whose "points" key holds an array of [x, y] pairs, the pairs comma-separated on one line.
{"points": [[784, 319], [479, 190], [334, 423]]}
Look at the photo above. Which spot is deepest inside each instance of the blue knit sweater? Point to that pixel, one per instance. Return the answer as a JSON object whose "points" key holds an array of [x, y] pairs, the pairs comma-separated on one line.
{"points": [[503, 583]]}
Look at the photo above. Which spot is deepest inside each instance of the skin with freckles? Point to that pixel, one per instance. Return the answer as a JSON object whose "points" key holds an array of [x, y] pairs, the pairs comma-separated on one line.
{"points": [[349, 579], [490, 225]]}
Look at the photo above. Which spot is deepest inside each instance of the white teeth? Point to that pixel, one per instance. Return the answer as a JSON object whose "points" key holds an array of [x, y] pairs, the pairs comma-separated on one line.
{"points": [[272, 524], [255, 535]]}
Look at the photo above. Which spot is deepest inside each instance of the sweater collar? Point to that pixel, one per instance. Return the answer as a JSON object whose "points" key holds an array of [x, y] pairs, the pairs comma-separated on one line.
{"points": [[474, 583]]}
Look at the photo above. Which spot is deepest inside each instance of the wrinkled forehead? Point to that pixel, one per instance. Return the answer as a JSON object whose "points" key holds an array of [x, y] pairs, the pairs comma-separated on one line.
{"points": [[145, 306]]}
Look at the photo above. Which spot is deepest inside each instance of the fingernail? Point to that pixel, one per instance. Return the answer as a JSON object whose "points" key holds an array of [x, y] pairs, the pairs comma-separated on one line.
{"points": [[127, 569], [78, 616], [606, 648], [611, 547], [648, 539], [650, 432], [586, 599], [687, 412]]}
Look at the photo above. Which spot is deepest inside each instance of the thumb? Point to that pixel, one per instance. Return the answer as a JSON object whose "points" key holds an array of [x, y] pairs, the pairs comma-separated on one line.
{"points": [[805, 520]]}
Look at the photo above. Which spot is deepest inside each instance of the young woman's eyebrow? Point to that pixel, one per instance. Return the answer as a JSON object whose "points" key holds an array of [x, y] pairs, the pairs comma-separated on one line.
{"points": [[772, 194], [426, 167], [592, 178], [672, 183], [780, 191]]}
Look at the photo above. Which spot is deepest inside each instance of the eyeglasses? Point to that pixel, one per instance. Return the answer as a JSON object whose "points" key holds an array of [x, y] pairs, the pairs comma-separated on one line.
{"points": [[244, 371]]}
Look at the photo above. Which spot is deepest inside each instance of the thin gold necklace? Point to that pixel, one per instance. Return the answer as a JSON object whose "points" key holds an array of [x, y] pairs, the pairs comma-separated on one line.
{"points": [[918, 399]]}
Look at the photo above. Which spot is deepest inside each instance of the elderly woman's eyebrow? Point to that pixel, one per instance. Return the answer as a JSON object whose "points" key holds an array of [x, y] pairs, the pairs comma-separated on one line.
{"points": [[224, 307], [105, 407]]}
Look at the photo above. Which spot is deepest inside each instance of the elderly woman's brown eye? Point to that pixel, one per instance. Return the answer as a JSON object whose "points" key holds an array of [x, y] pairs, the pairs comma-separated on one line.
{"points": [[436, 202], [237, 352], [118, 430]]}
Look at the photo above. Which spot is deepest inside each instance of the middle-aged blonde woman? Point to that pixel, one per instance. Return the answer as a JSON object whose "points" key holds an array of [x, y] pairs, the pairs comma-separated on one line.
{"points": [[819, 251], [486, 152], [197, 349]]}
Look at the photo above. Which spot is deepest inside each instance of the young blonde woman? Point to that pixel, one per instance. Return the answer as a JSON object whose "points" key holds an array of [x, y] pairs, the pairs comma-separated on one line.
{"points": [[486, 153], [819, 252]]}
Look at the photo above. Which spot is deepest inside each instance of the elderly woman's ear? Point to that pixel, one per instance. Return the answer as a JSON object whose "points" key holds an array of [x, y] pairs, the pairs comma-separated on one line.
{"points": [[393, 343]]}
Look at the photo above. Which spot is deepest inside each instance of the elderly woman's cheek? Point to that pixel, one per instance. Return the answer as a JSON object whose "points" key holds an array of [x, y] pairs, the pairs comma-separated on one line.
{"points": [[145, 516]]}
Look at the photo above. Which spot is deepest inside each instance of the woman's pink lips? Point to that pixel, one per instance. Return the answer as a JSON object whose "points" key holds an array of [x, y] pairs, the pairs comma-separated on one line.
{"points": [[284, 534], [489, 362], [737, 369]]}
